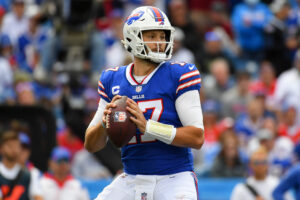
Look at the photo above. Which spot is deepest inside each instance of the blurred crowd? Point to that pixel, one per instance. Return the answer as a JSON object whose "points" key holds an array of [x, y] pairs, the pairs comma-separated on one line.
{"points": [[53, 51]]}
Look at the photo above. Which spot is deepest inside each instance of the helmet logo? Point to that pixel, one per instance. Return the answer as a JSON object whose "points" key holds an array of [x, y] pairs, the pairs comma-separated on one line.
{"points": [[134, 17]]}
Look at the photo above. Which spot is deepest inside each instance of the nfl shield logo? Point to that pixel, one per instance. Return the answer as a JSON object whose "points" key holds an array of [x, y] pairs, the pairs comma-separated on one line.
{"points": [[138, 88], [120, 117], [144, 196]]}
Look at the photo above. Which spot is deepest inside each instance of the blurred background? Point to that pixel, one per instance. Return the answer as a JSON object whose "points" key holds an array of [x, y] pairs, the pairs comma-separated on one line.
{"points": [[52, 53]]}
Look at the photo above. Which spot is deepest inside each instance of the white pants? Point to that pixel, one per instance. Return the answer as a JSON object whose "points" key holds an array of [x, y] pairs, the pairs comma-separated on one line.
{"points": [[180, 186]]}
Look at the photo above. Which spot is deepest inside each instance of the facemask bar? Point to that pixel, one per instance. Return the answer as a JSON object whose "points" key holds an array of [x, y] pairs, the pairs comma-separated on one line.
{"points": [[157, 56]]}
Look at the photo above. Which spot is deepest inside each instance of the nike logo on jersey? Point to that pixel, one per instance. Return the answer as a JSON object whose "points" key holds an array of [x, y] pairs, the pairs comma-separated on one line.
{"points": [[191, 67]]}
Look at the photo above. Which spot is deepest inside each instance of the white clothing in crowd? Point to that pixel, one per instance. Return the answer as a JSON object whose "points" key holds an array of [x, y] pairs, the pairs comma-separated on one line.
{"points": [[70, 189], [14, 27]]}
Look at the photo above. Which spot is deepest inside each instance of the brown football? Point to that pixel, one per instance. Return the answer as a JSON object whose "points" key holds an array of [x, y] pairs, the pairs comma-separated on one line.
{"points": [[119, 127]]}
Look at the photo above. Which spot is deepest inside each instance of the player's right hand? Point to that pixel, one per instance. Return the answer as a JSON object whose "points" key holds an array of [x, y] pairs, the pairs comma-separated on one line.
{"points": [[108, 107]]}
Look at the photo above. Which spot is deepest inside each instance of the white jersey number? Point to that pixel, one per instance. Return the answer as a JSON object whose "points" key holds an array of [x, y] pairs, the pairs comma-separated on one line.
{"points": [[156, 105]]}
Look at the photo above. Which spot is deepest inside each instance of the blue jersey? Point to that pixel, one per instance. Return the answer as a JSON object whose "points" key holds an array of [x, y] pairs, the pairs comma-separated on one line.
{"points": [[156, 96]]}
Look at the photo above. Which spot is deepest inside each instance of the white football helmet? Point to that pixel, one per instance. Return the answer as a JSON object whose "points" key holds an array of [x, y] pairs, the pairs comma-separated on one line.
{"points": [[147, 18]]}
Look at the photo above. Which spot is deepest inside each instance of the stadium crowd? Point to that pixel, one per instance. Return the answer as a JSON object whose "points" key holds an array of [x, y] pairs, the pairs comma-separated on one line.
{"points": [[248, 53]]}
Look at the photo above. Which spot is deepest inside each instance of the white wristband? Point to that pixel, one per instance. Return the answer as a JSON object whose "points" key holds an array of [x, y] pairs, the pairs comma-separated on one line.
{"points": [[163, 132]]}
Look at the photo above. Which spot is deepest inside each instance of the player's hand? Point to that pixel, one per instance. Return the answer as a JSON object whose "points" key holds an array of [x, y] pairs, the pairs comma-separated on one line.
{"points": [[138, 116], [108, 107]]}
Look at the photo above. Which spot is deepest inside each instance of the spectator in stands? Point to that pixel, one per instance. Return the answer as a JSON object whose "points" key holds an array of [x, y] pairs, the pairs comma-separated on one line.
{"points": [[15, 23], [69, 137], [281, 156], [288, 87], [5, 43], [58, 184], [179, 17], [112, 37], [180, 52], [214, 127], [15, 181], [290, 181], [211, 109], [259, 185], [86, 166], [2, 14], [203, 158], [288, 126], [25, 93], [228, 163], [249, 123], [30, 45], [6, 75], [6, 4], [266, 82], [219, 18], [35, 174], [235, 100], [277, 36], [219, 81], [249, 20], [8, 52], [213, 50], [263, 138]]}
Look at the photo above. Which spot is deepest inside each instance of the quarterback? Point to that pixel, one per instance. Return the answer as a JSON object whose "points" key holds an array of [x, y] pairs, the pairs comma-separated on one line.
{"points": [[164, 99]]}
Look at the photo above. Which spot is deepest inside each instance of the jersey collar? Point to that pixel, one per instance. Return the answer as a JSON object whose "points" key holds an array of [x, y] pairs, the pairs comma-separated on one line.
{"points": [[131, 79]]}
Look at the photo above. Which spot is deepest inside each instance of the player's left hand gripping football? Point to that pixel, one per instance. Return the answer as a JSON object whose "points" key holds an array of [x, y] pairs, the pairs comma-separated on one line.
{"points": [[139, 118]]}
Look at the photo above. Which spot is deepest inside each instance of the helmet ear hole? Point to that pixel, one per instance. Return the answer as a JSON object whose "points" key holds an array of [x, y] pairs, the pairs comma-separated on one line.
{"points": [[129, 49]]}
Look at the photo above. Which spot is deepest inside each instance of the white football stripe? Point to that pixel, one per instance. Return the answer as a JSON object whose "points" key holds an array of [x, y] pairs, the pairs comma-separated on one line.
{"points": [[189, 74], [100, 84], [187, 84], [102, 93]]}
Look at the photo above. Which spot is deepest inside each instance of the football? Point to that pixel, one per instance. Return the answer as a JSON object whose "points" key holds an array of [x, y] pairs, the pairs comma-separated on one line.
{"points": [[119, 127]]}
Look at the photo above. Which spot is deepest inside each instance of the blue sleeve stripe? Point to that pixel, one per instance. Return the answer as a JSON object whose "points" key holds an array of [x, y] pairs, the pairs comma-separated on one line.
{"points": [[189, 75], [188, 84]]}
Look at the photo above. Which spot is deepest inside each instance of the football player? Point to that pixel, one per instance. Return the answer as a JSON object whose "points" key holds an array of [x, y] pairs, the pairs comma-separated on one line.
{"points": [[164, 100]]}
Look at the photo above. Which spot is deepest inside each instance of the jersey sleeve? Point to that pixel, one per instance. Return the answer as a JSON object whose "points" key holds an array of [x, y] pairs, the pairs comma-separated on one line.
{"points": [[188, 78], [103, 86]]}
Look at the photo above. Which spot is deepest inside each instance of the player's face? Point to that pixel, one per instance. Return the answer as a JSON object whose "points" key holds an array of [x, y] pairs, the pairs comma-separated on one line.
{"points": [[158, 37]]}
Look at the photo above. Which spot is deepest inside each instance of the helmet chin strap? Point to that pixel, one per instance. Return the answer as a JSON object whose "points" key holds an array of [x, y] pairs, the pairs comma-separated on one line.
{"points": [[157, 57]]}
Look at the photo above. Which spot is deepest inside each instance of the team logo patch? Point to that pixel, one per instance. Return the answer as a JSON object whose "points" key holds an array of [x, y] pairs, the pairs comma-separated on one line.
{"points": [[138, 88], [144, 196], [120, 117], [134, 17]]}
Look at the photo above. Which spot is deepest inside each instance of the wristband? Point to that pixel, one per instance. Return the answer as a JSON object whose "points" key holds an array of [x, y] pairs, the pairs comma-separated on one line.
{"points": [[163, 132]]}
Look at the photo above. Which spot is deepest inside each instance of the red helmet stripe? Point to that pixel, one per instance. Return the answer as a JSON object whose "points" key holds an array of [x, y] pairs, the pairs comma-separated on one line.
{"points": [[157, 14]]}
